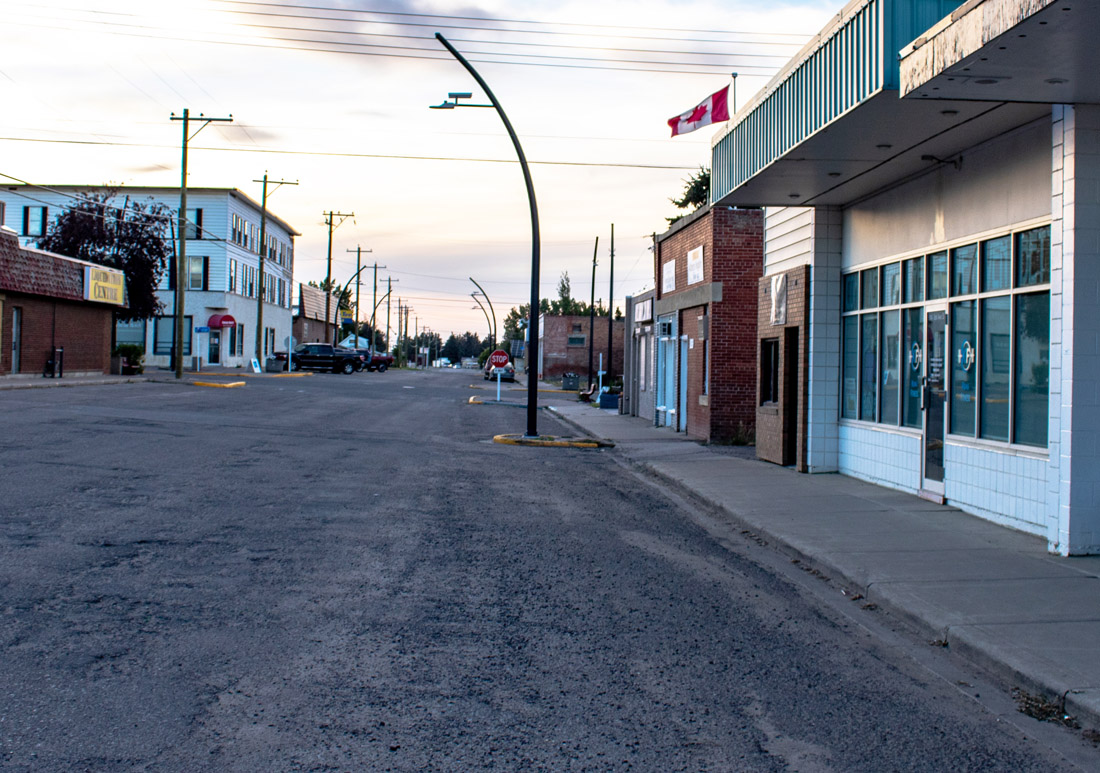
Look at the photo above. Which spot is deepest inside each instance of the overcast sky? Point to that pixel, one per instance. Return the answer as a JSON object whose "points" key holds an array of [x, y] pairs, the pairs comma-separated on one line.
{"points": [[335, 94]]}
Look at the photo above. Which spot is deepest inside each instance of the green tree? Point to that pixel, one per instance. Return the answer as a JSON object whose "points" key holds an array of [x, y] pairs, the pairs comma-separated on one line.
{"points": [[696, 193], [133, 237]]}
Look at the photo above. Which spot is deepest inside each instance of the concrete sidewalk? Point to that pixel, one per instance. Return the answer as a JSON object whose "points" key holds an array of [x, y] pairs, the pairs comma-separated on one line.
{"points": [[993, 594]]}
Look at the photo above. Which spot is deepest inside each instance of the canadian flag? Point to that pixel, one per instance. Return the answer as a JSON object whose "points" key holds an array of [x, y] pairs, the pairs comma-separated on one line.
{"points": [[711, 110]]}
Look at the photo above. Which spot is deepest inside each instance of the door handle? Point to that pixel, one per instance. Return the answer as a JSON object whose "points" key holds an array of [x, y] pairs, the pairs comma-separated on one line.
{"points": [[923, 392]]}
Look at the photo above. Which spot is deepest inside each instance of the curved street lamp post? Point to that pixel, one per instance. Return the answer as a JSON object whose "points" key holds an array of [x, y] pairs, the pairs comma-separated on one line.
{"points": [[533, 326]]}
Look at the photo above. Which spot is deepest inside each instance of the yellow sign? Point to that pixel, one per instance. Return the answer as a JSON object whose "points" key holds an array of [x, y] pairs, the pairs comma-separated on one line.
{"points": [[104, 285]]}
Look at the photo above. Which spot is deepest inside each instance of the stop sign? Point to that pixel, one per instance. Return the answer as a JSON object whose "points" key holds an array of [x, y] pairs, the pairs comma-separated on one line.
{"points": [[499, 358]]}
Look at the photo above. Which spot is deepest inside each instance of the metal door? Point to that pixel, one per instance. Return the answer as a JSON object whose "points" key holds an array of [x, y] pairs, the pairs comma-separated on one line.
{"points": [[666, 371], [934, 398], [16, 338]]}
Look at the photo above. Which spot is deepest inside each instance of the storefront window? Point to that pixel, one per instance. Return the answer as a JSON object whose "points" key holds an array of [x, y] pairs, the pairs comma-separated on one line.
{"points": [[165, 334], [891, 377], [868, 359], [130, 333], [1033, 257], [849, 398], [963, 355], [1032, 392], [891, 284], [937, 276], [914, 280], [964, 270], [912, 364], [851, 292], [996, 363], [869, 280], [997, 264]]}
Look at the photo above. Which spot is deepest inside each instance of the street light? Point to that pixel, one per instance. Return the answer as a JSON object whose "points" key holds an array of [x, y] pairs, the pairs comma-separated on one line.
{"points": [[533, 342], [480, 305], [485, 295]]}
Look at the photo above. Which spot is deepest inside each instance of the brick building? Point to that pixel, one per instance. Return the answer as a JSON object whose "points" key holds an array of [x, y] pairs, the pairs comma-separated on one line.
{"points": [[309, 315], [47, 302], [707, 266], [563, 346]]}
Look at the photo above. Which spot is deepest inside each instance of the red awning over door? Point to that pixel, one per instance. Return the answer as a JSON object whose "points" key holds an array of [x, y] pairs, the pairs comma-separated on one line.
{"points": [[221, 320]]}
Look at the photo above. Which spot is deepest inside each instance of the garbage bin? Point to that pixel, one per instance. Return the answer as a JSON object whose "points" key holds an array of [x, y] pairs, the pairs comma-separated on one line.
{"points": [[55, 365], [570, 382], [272, 365]]}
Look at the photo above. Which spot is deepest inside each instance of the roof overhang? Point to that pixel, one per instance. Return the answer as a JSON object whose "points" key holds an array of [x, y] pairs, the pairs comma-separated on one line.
{"points": [[1037, 51], [879, 142]]}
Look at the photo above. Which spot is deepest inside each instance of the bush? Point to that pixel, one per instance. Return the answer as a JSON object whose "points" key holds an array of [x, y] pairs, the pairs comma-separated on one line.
{"points": [[134, 354]]}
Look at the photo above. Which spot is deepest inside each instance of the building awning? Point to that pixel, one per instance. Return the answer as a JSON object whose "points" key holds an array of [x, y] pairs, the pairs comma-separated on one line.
{"points": [[221, 320]]}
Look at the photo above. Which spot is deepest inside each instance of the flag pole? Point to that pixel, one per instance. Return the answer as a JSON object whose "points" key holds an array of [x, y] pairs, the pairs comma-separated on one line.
{"points": [[733, 95]]}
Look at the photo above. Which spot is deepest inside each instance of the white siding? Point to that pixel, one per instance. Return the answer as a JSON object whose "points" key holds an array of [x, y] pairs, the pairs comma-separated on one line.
{"points": [[788, 234]]}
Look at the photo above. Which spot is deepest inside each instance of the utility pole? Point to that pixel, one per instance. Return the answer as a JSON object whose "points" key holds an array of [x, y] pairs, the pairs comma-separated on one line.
{"points": [[592, 314], [263, 254], [181, 267], [358, 255], [329, 217], [611, 306], [389, 290]]}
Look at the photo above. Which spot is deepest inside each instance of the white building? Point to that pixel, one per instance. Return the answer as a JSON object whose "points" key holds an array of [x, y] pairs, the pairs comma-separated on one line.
{"points": [[933, 169], [223, 251]]}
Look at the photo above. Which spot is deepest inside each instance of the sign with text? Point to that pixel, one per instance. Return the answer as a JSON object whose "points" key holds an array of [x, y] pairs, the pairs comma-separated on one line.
{"points": [[695, 265], [104, 285], [499, 358]]}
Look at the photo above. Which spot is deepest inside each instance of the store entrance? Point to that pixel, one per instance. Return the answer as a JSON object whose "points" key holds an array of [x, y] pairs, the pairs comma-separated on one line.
{"points": [[933, 397]]}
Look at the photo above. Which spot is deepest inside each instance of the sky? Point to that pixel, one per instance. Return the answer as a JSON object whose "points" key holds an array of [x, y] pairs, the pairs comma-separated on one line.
{"points": [[334, 94]]}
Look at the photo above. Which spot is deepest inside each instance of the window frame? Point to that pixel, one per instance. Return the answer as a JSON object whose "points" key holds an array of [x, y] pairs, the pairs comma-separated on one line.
{"points": [[974, 248]]}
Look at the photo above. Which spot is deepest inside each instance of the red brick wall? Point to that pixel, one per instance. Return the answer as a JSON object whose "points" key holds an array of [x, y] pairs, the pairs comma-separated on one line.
{"points": [[733, 254], [558, 357], [83, 329]]}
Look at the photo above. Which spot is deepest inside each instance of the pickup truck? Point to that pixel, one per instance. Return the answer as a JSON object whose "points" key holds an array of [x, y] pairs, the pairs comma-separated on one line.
{"points": [[380, 361], [317, 356]]}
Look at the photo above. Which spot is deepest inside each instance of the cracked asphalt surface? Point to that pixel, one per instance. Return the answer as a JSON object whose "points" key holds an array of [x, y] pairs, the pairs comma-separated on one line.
{"points": [[342, 573]]}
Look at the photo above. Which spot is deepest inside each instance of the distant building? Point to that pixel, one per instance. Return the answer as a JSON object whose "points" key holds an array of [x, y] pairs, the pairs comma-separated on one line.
{"points": [[563, 347], [309, 315], [55, 312], [707, 267], [638, 370], [223, 251]]}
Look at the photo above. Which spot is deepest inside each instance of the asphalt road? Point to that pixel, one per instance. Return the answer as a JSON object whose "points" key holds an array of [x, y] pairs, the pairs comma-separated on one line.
{"points": [[344, 573]]}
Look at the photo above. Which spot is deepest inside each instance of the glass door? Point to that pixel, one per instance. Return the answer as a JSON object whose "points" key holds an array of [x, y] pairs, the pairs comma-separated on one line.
{"points": [[666, 371], [933, 397], [214, 356]]}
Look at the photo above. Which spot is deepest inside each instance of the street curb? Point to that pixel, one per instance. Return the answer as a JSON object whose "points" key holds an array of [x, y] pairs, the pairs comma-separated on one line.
{"points": [[546, 441], [228, 385], [1086, 709]]}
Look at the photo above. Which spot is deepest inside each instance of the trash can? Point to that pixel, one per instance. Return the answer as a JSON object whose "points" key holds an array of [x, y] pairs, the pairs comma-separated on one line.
{"points": [[55, 366], [272, 365], [570, 382]]}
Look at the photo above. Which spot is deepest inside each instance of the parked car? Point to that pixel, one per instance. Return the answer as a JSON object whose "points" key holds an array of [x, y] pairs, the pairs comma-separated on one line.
{"points": [[507, 373], [317, 356]]}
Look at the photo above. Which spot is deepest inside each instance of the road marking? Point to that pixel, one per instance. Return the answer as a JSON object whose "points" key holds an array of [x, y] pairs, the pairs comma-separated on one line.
{"points": [[229, 385]]}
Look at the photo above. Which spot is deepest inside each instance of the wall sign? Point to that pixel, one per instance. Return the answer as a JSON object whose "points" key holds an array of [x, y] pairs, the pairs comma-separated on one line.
{"points": [[695, 265], [104, 285], [779, 299], [643, 311], [668, 276]]}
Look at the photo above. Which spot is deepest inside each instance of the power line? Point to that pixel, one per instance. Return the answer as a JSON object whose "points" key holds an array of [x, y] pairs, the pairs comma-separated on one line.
{"points": [[508, 21], [333, 154], [185, 39], [783, 57]]}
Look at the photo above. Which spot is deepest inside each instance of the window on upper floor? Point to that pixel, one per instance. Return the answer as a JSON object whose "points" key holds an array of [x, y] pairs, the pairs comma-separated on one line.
{"points": [[34, 221], [194, 224]]}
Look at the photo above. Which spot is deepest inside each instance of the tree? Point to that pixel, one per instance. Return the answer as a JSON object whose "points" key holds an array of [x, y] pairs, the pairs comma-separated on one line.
{"points": [[696, 193], [134, 237]]}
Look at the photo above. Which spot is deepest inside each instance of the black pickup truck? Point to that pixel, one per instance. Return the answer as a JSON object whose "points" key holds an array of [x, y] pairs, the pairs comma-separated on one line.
{"points": [[326, 357]]}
